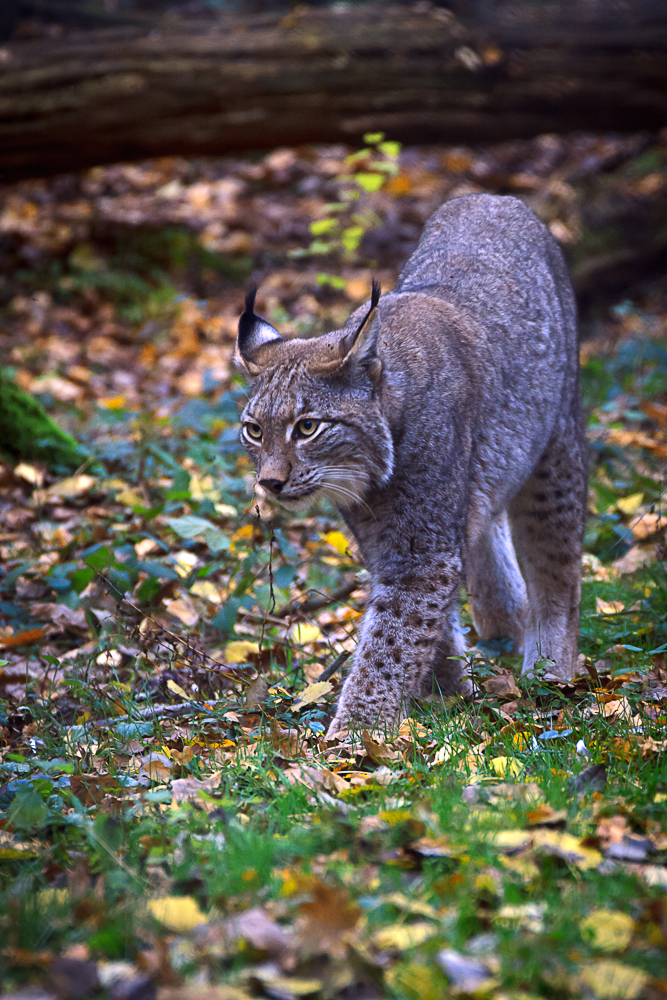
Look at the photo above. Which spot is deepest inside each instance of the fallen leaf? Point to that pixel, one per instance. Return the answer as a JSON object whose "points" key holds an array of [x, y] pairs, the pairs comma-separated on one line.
{"points": [[91, 789], [416, 980], [28, 472], [612, 981], [72, 486], [254, 926], [179, 914], [238, 652], [433, 847], [177, 689], [646, 525], [25, 638], [502, 685], [635, 558], [628, 505], [565, 846], [207, 590], [504, 766], [609, 930], [526, 916], [59, 614], [195, 790], [400, 937], [337, 540], [256, 693], [544, 815], [183, 609], [304, 633], [312, 694], [202, 991], [508, 840], [154, 767], [379, 752], [469, 975], [608, 607], [325, 918], [285, 986]]}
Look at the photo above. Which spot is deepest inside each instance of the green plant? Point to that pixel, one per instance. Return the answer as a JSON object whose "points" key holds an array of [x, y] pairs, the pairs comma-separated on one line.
{"points": [[343, 226]]}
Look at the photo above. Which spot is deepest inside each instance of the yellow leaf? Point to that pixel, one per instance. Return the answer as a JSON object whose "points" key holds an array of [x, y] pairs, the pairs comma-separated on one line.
{"points": [[185, 562], [207, 590], [225, 510], [613, 981], [183, 609], [312, 694], [179, 914], [610, 930], [608, 607], [237, 652], [304, 633], [629, 505], [29, 473], [444, 753], [112, 402], [503, 766], [509, 840], [400, 937], [177, 689], [145, 546], [409, 905], [130, 498], [72, 486], [527, 916], [565, 846], [49, 897], [416, 982], [337, 540]]}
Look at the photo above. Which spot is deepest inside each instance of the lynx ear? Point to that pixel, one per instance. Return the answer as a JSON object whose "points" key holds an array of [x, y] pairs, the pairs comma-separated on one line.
{"points": [[361, 344], [254, 332]]}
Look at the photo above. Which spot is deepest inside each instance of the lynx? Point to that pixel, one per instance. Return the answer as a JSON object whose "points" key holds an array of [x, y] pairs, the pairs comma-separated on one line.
{"points": [[444, 422]]}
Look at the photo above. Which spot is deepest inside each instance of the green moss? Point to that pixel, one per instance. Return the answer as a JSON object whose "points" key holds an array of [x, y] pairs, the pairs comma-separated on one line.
{"points": [[27, 432]]}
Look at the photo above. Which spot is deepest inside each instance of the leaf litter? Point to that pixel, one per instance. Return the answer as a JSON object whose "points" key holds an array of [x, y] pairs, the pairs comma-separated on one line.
{"points": [[173, 822]]}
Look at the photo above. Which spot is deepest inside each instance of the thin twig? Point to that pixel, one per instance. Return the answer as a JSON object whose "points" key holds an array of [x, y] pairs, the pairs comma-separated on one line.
{"points": [[321, 601], [334, 667], [173, 635]]}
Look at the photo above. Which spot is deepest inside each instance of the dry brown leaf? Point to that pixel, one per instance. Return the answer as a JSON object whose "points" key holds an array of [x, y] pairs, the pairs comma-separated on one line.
{"points": [[503, 685], [325, 919], [24, 638], [381, 753]]}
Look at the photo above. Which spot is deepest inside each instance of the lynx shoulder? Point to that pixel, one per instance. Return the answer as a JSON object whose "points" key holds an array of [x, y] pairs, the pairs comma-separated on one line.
{"points": [[444, 423]]}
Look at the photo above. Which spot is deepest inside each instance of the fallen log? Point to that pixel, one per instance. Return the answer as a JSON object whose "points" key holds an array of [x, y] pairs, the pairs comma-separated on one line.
{"points": [[420, 74]]}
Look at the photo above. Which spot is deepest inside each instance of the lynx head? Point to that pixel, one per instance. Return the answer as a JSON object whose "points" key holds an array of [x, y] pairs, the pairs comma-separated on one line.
{"points": [[314, 424]]}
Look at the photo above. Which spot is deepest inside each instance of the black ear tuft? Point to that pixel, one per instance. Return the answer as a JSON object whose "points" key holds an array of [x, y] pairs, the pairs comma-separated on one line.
{"points": [[253, 330], [375, 298]]}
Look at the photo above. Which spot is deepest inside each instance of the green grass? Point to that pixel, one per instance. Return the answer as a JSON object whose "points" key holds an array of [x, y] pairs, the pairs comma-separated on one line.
{"points": [[389, 857]]}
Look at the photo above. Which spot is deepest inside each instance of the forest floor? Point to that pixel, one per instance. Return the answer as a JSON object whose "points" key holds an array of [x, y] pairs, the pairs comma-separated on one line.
{"points": [[172, 820]]}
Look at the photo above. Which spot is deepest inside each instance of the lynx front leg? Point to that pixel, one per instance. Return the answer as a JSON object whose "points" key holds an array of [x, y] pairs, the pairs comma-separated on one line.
{"points": [[548, 519], [402, 633]]}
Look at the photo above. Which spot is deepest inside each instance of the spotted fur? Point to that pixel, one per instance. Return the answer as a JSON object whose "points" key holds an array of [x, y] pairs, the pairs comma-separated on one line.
{"points": [[448, 433]]}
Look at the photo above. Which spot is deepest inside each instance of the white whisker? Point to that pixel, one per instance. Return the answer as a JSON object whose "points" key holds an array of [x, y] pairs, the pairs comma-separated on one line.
{"points": [[328, 487]]}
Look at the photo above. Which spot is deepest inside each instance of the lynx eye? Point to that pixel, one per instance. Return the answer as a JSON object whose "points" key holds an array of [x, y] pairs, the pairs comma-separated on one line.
{"points": [[306, 428], [253, 430]]}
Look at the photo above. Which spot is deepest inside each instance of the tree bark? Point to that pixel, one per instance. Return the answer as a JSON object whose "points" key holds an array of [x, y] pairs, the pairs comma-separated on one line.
{"points": [[241, 82]]}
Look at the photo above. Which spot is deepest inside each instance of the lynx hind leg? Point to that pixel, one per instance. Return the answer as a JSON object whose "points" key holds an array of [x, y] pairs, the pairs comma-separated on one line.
{"points": [[548, 517], [447, 676], [496, 588]]}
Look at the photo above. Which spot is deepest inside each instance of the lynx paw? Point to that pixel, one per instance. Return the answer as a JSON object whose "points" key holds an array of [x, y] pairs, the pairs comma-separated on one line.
{"points": [[367, 705]]}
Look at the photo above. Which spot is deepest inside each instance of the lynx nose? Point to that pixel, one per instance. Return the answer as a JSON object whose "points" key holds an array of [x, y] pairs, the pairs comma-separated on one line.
{"points": [[274, 485]]}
